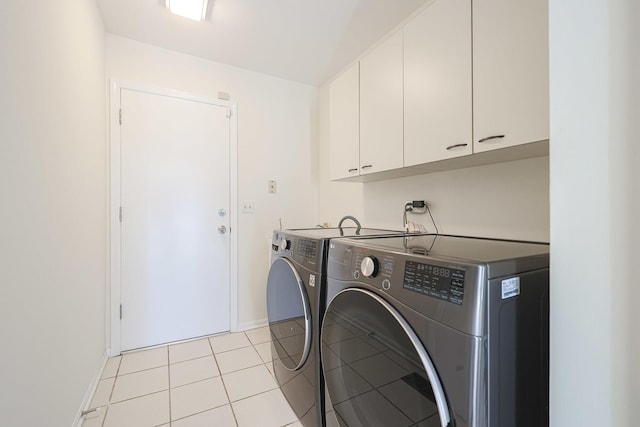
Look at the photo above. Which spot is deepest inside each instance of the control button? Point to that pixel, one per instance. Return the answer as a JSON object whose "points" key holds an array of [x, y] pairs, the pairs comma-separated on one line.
{"points": [[284, 244], [386, 284], [369, 266], [356, 274]]}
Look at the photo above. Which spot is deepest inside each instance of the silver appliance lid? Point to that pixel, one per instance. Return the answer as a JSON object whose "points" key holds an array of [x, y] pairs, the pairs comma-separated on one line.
{"points": [[496, 254]]}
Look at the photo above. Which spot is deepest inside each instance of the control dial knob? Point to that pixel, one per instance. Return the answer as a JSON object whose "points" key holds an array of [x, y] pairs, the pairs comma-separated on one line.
{"points": [[284, 244], [369, 266]]}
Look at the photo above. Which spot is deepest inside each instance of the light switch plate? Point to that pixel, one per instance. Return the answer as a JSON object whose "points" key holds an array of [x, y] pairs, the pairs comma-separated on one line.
{"points": [[273, 186], [247, 206]]}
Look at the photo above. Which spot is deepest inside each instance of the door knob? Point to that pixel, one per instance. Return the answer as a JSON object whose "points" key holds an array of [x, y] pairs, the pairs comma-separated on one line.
{"points": [[222, 229]]}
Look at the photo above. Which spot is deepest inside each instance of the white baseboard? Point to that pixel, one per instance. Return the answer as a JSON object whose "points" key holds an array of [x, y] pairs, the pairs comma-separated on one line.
{"points": [[77, 422], [253, 324]]}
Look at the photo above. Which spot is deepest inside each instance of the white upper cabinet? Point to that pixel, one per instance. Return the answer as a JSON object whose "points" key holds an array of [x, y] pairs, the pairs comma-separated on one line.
{"points": [[344, 124], [510, 73], [462, 77], [381, 122], [437, 83]]}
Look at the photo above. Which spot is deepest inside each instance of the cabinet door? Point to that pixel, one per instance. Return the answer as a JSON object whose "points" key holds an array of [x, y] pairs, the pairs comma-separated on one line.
{"points": [[381, 133], [437, 83], [344, 124], [510, 73]]}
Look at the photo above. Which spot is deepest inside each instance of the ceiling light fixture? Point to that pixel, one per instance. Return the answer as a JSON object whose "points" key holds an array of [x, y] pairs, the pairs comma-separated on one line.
{"points": [[192, 9]]}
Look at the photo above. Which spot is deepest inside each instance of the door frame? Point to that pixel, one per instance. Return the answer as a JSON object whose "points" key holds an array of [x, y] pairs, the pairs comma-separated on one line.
{"points": [[114, 255]]}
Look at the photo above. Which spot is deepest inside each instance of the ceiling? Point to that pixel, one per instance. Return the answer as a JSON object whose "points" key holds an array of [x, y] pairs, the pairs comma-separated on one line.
{"points": [[307, 41]]}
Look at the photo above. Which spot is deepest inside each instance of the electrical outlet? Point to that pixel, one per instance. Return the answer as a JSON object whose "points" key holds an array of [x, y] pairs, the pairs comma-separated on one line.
{"points": [[247, 206]]}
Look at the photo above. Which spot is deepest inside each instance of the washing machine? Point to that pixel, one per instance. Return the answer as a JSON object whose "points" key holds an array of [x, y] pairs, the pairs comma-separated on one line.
{"points": [[295, 304], [437, 330]]}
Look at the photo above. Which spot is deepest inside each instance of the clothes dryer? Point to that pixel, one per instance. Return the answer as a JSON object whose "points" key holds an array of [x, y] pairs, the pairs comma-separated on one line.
{"points": [[437, 331], [295, 305]]}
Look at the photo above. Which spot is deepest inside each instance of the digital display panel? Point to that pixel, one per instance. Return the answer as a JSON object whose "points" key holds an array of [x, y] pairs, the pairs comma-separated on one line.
{"points": [[438, 282], [307, 248]]}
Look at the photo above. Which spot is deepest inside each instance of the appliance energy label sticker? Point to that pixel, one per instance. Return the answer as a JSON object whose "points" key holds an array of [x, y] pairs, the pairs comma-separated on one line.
{"points": [[312, 280], [510, 287]]}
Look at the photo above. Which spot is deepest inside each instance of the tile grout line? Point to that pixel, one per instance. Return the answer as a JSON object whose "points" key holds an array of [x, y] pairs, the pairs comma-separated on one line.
{"points": [[115, 378], [169, 384], [252, 346], [143, 395], [257, 394], [119, 374], [198, 381], [142, 370], [234, 349], [190, 360], [265, 364], [223, 383], [137, 397], [201, 412]]}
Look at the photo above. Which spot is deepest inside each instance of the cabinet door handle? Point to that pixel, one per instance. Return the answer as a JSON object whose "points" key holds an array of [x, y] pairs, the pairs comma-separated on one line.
{"points": [[451, 147], [367, 166], [491, 137], [353, 170]]}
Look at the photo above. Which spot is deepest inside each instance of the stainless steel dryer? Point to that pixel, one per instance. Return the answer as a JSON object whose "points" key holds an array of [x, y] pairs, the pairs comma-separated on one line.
{"points": [[295, 305], [437, 331]]}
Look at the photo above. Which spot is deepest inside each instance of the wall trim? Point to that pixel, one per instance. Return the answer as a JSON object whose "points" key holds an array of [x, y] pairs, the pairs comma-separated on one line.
{"points": [[244, 326], [91, 390], [115, 237]]}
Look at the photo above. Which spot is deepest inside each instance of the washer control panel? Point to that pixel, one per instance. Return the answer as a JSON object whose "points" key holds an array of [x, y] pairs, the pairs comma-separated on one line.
{"points": [[449, 290], [372, 266], [307, 248], [374, 269], [436, 281], [369, 266], [285, 244], [307, 252]]}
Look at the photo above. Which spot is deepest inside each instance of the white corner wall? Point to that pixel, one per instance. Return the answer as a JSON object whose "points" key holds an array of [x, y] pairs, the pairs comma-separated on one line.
{"points": [[53, 208], [277, 128], [595, 206], [506, 200]]}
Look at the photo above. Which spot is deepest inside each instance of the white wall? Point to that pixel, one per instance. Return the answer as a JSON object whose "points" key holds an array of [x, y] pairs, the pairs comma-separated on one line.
{"points": [[595, 203], [52, 209], [276, 140], [507, 200]]}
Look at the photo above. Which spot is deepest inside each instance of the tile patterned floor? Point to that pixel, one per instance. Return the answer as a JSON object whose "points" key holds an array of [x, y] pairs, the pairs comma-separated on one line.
{"points": [[226, 380]]}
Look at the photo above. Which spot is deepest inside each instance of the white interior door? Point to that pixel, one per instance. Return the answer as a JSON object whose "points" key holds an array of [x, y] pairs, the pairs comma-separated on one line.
{"points": [[174, 196]]}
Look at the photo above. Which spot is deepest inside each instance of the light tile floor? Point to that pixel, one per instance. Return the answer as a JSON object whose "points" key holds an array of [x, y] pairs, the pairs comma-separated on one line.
{"points": [[226, 380]]}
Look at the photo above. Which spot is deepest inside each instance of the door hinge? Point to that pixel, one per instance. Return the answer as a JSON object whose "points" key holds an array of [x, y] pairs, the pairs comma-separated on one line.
{"points": [[120, 311], [229, 113], [120, 214], [120, 116]]}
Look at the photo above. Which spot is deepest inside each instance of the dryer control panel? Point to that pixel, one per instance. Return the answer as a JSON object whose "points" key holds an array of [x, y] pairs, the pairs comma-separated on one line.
{"points": [[447, 290], [436, 281]]}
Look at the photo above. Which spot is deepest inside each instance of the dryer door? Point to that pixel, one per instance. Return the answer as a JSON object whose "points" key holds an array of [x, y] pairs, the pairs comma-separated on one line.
{"points": [[289, 315], [377, 371]]}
